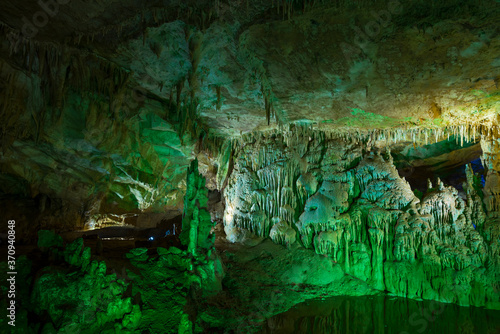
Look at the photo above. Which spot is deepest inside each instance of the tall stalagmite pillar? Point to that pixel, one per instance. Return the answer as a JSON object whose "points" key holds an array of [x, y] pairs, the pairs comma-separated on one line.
{"points": [[196, 220], [491, 162]]}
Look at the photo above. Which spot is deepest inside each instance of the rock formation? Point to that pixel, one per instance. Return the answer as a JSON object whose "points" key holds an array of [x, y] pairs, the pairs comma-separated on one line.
{"points": [[226, 160], [329, 195]]}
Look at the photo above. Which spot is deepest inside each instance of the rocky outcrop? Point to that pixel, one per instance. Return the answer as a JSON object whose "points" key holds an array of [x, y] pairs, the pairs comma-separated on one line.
{"points": [[96, 110], [295, 105], [351, 205], [197, 224], [82, 161], [71, 290]]}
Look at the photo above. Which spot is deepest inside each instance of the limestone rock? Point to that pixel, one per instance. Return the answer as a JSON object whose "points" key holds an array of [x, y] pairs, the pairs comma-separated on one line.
{"points": [[282, 233]]}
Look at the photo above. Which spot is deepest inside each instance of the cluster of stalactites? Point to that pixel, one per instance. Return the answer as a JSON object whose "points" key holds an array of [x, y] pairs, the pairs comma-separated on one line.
{"points": [[491, 162], [360, 213], [299, 133], [464, 133], [475, 210]]}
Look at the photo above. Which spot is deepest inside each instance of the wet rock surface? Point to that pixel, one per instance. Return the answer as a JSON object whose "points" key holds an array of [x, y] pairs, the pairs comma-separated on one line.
{"points": [[366, 218]]}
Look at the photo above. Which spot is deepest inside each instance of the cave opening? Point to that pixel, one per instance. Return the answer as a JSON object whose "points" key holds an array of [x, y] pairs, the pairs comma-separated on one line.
{"points": [[116, 234], [445, 160]]}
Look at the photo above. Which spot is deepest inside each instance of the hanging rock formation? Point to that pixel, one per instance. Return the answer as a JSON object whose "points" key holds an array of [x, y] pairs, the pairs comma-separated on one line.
{"points": [[351, 205], [491, 149]]}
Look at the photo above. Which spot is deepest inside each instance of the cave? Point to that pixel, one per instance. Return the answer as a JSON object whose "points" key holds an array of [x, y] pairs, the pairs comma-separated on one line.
{"points": [[446, 160], [256, 166]]}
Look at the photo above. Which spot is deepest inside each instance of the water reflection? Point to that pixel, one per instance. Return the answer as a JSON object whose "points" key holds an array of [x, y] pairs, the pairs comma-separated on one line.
{"points": [[383, 314]]}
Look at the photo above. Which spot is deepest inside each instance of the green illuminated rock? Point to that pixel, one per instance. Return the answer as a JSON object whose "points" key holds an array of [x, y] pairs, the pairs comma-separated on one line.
{"points": [[295, 106], [196, 220], [365, 217], [47, 239]]}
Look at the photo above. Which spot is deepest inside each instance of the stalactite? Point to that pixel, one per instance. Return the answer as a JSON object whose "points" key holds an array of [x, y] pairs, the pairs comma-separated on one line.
{"points": [[436, 221]]}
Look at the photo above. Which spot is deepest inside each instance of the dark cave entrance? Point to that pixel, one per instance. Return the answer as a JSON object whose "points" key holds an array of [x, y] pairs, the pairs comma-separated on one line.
{"points": [[165, 233], [445, 160]]}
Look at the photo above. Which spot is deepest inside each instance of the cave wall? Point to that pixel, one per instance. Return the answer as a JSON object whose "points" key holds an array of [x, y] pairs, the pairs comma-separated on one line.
{"points": [[338, 197], [75, 152], [99, 115], [95, 108], [259, 64]]}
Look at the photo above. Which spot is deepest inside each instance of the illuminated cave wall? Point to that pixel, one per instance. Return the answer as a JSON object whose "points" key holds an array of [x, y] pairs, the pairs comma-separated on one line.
{"points": [[335, 195], [96, 150], [100, 113], [491, 160]]}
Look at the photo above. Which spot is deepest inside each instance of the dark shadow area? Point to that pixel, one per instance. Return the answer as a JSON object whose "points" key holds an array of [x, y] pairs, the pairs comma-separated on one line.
{"points": [[454, 177], [445, 160]]}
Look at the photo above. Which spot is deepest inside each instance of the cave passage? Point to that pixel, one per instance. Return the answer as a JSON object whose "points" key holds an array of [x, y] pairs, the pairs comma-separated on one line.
{"points": [[445, 160]]}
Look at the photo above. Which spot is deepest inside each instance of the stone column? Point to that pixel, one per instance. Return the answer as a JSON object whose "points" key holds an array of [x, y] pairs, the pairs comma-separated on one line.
{"points": [[491, 162], [196, 220]]}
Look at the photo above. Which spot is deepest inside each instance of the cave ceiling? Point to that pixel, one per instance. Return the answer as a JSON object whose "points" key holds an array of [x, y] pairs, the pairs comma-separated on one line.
{"points": [[328, 63]]}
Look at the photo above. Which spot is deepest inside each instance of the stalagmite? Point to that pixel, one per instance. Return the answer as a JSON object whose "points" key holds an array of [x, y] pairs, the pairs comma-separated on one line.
{"points": [[283, 234], [196, 222], [350, 211]]}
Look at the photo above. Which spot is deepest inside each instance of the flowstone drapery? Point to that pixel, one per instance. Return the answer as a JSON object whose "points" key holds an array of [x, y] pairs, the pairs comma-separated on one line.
{"points": [[350, 204]]}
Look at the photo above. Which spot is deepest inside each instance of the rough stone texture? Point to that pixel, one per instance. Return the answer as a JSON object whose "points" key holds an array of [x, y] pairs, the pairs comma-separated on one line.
{"points": [[365, 217], [103, 107], [84, 160], [70, 291], [196, 220], [296, 60], [491, 161], [96, 107], [282, 233]]}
